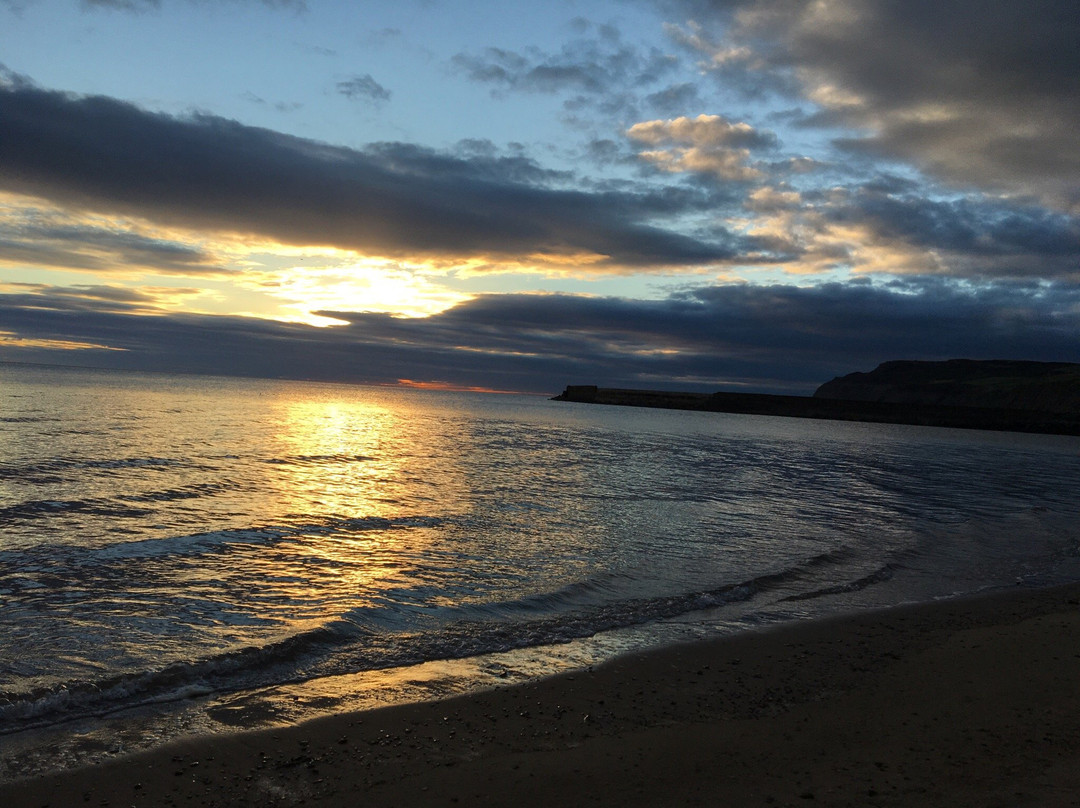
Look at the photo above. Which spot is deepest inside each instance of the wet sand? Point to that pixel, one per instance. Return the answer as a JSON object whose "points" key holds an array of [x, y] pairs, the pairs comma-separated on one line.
{"points": [[972, 702]]}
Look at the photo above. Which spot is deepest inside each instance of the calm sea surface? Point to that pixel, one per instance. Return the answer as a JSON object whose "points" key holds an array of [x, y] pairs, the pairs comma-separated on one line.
{"points": [[190, 554]]}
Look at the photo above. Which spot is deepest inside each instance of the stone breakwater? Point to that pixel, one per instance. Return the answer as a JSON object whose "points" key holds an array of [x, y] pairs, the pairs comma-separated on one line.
{"points": [[992, 418]]}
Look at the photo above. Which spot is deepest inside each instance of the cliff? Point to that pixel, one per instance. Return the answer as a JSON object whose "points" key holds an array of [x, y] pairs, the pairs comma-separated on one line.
{"points": [[998, 384]]}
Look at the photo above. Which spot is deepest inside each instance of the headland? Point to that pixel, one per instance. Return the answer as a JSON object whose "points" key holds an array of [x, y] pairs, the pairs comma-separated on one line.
{"points": [[963, 394]]}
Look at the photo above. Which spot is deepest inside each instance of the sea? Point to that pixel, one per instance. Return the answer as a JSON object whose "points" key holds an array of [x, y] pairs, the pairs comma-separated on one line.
{"points": [[186, 555]]}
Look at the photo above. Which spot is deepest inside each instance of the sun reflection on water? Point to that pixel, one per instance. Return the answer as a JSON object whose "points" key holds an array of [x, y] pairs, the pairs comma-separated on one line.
{"points": [[363, 481], [338, 458]]}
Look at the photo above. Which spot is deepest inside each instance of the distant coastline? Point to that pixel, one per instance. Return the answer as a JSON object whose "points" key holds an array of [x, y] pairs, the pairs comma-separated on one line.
{"points": [[891, 380]]}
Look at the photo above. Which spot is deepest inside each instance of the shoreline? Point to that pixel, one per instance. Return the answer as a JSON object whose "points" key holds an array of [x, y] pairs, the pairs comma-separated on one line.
{"points": [[968, 701]]}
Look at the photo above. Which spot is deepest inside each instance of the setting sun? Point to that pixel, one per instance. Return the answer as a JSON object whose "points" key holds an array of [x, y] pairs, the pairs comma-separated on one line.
{"points": [[360, 286]]}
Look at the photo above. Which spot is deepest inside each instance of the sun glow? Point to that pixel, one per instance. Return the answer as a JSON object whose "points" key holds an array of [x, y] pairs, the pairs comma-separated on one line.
{"points": [[359, 286]]}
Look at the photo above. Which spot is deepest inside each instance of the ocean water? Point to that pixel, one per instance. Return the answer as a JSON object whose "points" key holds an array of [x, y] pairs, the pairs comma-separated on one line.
{"points": [[186, 554]]}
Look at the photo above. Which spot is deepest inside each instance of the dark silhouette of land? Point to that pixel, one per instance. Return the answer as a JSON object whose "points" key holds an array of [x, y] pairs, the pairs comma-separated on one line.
{"points": [[1002, 395]]}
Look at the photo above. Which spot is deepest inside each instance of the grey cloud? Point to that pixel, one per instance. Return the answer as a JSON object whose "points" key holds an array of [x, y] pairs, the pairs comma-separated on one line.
{"points": [[136, 6], [619, 106], [363, 87], [738, 69], [280, 106], [318, 50], [122, 5], [972, 237], [594, 70], [216, 174], [57, 255], [384, 35], [604, 151], [777, 338], [42, 239], [88, 299], [978, 92], [13, 79], [674, 100]]}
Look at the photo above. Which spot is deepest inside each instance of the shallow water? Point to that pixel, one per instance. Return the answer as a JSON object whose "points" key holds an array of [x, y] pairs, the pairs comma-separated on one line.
{"points": [[187, 553]]}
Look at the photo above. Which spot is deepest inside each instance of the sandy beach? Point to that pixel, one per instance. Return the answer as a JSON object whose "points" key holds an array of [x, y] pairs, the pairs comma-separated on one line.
{"points": [[965, 702]]}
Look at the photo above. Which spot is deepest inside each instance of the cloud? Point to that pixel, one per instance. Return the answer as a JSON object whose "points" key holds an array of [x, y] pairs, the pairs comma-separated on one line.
{"points": [[597, 72], [892, 226], [776, 338], [95, 298], [982, 93], [39, 236], [703, 131], [138, 6], [773, 200], [363, 88], [973, 237], [280, 106], [734, 65], [674, 98], [593, 65], [707, 144], [122, 5], [13, 79], [210, 173]]}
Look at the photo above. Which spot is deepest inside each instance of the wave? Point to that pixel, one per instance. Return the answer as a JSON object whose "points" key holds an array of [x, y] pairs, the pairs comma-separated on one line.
{"points": [[359, 641], [880, 575], [121, 506], [37, 508], [319, 459], [195, 491], [266, 534], [60, 556], [79, 699], [45, 471]]}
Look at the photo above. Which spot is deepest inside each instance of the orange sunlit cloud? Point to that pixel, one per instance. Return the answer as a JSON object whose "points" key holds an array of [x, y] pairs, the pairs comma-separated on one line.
{"points": [[9, 339], [36, 233], [450, 387]]}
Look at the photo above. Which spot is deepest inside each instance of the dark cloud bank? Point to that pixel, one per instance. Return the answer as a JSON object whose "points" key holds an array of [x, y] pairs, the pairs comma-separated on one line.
{"points": [[763, 338], [215, 174], [397, 199]]}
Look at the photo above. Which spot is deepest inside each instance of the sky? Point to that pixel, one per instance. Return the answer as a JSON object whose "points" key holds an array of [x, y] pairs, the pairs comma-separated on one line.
{"points": [[753, 195]]}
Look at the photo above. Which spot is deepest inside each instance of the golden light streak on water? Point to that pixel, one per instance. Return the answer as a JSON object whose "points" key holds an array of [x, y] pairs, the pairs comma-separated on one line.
{"points": [[360, 460], [313, 430]]}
